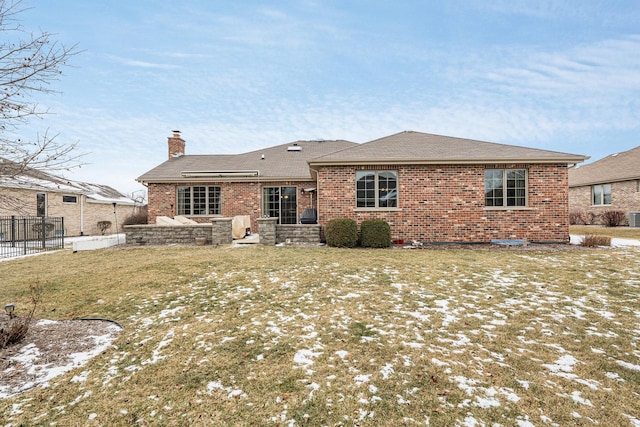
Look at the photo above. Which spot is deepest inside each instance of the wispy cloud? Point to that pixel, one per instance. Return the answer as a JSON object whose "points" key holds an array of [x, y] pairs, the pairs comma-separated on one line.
{"points": [[609, 65], [140, 64]]}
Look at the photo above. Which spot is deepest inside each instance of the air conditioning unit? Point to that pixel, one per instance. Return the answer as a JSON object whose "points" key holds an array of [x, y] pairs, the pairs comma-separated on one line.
{"points": [[634, 219]]}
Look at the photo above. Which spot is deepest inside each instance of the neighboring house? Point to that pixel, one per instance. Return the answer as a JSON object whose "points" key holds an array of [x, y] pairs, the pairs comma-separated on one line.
{"points": [[611, 183], [429, 188], [31, 192]]}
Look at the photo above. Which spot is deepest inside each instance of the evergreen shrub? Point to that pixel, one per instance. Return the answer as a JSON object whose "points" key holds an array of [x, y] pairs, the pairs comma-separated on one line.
{"points": [[375, 233], [342, 233]]}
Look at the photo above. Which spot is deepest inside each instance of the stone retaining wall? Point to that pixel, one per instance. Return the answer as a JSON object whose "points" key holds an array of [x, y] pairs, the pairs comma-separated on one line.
{"points": [[219, 233], [267, 230], [298, 233], [151, 234]]}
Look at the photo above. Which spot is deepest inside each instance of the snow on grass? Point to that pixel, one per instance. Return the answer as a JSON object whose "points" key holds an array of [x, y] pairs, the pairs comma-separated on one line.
{"points": [[231, 392], [478, 342], [628, 365], [563, 364], [42, 372]]}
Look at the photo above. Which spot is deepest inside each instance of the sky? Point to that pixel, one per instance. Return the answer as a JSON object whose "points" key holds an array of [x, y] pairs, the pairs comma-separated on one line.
{"points": [[236, 76]]}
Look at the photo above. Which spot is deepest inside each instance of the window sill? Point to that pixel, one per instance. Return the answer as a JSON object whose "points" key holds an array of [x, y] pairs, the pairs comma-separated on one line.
{"points": [[507, 208], [377, 210], [601, 206]]}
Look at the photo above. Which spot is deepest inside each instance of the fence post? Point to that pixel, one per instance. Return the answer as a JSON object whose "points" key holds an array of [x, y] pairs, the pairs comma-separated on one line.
{"points": [[24, 231], [62, 227], [13, 231], [43, 230]]}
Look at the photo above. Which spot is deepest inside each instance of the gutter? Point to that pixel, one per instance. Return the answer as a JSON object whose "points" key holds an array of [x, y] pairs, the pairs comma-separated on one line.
{"points": [[558, 160], [258, 178], [603, 181]]}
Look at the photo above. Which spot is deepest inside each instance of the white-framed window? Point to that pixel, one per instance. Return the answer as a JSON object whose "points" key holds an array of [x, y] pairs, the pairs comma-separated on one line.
{"points": [[601, 194], [198, 200], [376, 189], [68, 199], [505, 187]]}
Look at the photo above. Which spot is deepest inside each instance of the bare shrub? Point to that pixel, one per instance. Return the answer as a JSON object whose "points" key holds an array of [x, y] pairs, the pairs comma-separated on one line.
{"points": [[577, 217], [138, 217], [15, 329], [592, 241], [613, 218], [592, 218], [103, 226]]}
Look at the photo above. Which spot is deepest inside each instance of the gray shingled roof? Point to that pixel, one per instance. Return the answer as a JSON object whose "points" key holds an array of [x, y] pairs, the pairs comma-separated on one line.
{"points": [[278, 164], [616, 167], [423, 148]]}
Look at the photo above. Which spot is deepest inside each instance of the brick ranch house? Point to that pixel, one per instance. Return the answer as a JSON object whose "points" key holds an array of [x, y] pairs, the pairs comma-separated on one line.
{"points": [[611, 183], [429, 188]]}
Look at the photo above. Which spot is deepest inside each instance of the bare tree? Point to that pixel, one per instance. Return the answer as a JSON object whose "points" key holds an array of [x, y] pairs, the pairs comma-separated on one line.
{"points": [[29, 62]]}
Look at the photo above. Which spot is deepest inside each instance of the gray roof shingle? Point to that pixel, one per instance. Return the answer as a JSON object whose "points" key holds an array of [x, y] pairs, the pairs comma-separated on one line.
{"points": [[615, 167], [417, 147], [279, 163]]}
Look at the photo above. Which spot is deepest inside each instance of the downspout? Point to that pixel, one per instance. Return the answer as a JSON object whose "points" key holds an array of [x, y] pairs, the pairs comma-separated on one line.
{"points": [[82, 214]]}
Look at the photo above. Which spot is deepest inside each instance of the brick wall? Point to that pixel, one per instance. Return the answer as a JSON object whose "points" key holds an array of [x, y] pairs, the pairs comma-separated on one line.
{"points": [[445, 203], [237, 198], [161, 201], [176, 145], [625, 196]]}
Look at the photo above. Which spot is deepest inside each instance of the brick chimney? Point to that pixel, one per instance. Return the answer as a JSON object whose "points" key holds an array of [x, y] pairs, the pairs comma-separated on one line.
{"points": [[176, 145]]}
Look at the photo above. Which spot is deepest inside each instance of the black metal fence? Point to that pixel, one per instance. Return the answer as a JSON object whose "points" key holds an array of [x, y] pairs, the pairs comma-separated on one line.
{"points": [[24, 235]]}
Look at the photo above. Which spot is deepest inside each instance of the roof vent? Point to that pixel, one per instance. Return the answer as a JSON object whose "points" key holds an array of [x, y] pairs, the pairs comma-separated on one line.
{"points": [[294, 147]]}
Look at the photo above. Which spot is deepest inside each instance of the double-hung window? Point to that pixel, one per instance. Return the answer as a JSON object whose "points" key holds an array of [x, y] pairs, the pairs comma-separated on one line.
{"points": [[376, 189], [601, 194], [505, 187], [198, 200]]}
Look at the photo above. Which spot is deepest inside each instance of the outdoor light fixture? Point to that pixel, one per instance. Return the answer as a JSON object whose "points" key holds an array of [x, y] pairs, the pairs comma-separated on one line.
{"points": [[9, 308]]}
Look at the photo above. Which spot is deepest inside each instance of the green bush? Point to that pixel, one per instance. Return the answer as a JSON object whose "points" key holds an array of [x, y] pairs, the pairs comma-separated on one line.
{"points": [[375, 233], [342, 233]]}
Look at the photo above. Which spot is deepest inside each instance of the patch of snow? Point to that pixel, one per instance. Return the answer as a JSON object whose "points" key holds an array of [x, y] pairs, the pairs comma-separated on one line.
{"points": [[361, 379], [486, 403], [613, 376], [342, 353], [635, 422], [577, 397], [628, 365], [386, 371], [305, 357], [563, 364]]}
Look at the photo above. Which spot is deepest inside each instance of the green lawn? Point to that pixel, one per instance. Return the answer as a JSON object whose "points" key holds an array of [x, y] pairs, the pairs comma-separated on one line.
{"points": [[320, 336]]}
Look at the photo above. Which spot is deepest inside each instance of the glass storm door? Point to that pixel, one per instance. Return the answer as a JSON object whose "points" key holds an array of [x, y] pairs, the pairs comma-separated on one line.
{"points": [[281, 203]]}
